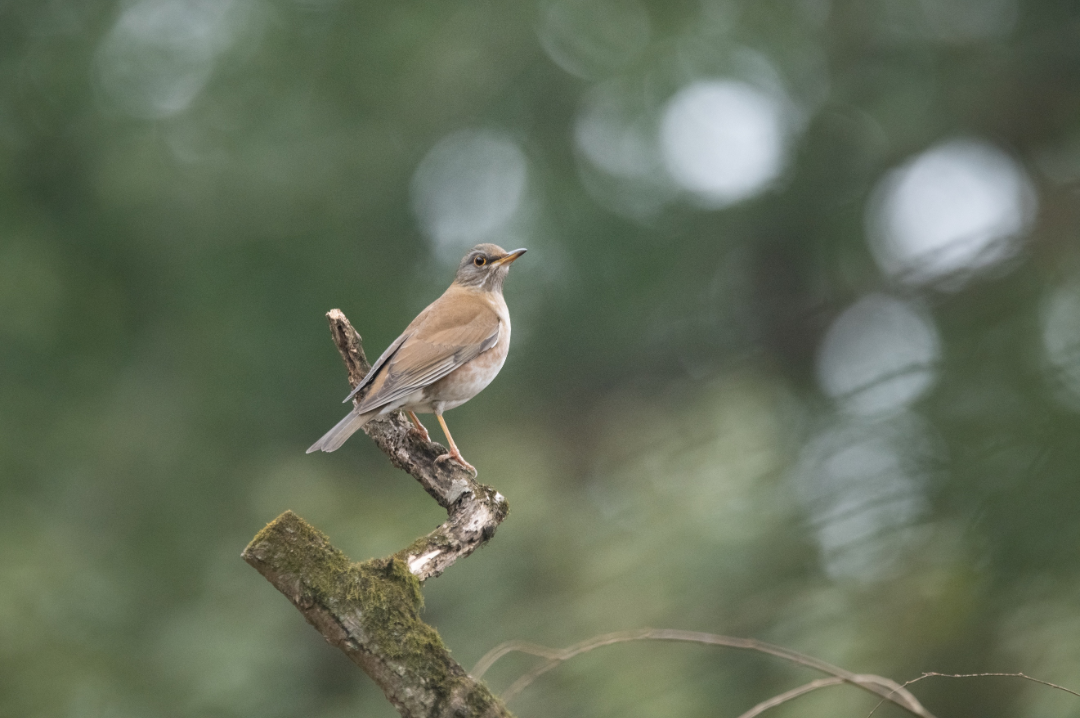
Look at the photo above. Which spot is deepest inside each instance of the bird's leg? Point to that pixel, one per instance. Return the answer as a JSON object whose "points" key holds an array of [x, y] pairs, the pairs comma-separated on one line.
{"points": [[420, 427], [454, 453]]}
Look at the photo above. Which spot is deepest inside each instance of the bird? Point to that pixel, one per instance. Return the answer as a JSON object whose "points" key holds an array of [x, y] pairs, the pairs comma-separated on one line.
{"points": [[452, 350]]}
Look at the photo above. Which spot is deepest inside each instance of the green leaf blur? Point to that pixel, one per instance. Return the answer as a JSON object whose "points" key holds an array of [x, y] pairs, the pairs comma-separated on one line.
{"points": [[796, 345]]}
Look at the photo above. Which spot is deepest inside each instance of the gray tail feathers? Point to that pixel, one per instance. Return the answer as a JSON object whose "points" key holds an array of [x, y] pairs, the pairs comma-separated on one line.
{"points": [[333, 439]]}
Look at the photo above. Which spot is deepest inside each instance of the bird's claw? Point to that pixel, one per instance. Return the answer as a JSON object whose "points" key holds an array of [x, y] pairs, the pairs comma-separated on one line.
{"points": [[418, 428], [460, 460]]}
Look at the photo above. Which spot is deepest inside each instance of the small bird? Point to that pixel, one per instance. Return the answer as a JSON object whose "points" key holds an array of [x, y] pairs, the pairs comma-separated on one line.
{"points": [[446, 356]]}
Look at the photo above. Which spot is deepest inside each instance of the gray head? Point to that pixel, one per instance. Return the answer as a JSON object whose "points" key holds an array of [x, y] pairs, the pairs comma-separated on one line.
{"points": [[485, 267]]}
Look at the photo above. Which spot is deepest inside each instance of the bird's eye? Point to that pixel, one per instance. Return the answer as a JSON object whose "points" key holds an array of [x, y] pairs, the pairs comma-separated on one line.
{"points": [[480, 260]]}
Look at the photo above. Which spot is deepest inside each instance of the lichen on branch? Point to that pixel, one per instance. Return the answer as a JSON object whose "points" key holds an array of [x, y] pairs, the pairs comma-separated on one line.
{"points": [[371, 612]]}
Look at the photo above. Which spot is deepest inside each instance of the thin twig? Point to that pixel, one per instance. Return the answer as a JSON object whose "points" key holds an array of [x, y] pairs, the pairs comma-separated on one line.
{"points": [[886, 689], [1026, 677], [791, 695], [933, 674]]}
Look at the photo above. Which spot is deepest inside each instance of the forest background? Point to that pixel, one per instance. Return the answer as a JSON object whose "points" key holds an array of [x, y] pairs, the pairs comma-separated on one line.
{"points": [[796, 348]]}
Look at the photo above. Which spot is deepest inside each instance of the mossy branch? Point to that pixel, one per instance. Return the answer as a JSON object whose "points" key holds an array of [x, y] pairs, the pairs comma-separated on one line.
{"points": [[370, 610]]}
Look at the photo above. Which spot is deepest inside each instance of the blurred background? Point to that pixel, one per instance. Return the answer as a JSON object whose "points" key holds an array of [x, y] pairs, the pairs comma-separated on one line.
{"points": [[796, 345]]}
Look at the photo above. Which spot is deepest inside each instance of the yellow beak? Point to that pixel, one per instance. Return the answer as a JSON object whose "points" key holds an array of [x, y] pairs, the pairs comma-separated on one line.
{"points": [[509, 258]]}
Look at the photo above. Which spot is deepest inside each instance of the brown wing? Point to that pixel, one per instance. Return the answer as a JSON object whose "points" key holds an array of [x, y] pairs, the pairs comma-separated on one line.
{"points": [[456, 328], [376, 368]]}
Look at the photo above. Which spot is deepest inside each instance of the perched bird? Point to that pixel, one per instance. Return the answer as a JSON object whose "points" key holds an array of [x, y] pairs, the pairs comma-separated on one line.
{"points": [[451, 351]]}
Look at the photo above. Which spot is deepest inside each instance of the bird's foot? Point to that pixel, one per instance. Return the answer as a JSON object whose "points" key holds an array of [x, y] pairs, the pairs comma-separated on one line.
{"points": [[418, 428], [456, 456]]}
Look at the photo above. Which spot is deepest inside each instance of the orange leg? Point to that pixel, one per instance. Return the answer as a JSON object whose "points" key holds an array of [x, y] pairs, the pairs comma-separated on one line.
{"points": [[420, 427], [454, 453]]}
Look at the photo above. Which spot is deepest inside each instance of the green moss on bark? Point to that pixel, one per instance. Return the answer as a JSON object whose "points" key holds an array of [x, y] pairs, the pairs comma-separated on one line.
{"points": [[378, 603]]}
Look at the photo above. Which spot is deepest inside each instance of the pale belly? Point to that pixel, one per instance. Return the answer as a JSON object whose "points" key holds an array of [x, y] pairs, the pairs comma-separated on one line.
{"points": [[463, 383]]}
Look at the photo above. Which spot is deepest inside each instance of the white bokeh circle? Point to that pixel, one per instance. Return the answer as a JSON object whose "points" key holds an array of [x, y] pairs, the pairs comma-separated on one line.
{"points": [[160, 54], [593, 38], [467, 188], [724, 141], [878, 357], [957, 208]]}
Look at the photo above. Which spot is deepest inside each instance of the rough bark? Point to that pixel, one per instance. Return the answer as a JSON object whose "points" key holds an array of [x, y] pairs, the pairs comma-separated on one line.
{"points": [[370, 610], [474, 510]]}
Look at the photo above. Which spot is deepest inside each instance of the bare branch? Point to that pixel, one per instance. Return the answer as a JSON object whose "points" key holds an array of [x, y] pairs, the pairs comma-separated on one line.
{"points": [[474, 510], [931, 674], [886, 689], [985, 675], [792, 695]]}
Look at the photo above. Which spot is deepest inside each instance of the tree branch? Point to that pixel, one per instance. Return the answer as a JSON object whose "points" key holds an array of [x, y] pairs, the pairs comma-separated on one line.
{"points": [[475, 510], [888, 690], [370, 610]]}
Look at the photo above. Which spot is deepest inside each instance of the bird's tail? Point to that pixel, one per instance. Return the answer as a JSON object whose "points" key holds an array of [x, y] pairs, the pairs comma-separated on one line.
{"points": [[333, 439]]}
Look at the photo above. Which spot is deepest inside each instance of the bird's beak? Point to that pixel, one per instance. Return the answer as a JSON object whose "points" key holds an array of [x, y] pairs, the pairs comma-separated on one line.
{"points": [[509, 258]]}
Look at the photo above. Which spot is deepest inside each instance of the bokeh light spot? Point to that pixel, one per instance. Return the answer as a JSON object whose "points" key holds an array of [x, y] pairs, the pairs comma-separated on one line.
{"points": [[862, 486], [467, 188], [723, 140], [160, 54], [1061, 341], [614, 138], [593, 38], [878, 356], [618, 155], [958, 207]]}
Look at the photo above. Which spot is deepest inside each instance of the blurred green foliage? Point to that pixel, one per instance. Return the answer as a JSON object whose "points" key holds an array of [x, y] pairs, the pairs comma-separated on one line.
{"points": [[832, 404]]}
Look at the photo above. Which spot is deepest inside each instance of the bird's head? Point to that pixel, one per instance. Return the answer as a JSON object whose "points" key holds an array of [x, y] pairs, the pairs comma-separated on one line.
{"points": [[485, 267]]}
